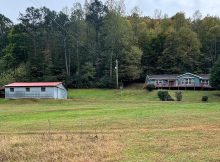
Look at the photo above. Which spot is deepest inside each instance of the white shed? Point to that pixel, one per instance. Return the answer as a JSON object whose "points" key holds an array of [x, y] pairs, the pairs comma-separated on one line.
{"points": [[47, 90]]}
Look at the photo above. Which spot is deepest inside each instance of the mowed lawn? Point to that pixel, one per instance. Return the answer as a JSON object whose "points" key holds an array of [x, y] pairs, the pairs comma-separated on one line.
{"points": [[111, 125]]}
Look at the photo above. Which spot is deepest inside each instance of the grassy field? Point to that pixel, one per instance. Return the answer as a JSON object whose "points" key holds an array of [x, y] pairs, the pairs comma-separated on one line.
{"points": [[110, 125]]}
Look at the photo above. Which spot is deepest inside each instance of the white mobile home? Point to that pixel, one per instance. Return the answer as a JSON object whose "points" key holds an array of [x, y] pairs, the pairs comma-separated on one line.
{"points": [[47, 90]]}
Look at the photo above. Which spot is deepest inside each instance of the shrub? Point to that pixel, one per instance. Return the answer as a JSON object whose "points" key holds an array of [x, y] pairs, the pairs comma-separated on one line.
{"points": [[179, 96], [205, 98], [164, 96], [150, 87]]}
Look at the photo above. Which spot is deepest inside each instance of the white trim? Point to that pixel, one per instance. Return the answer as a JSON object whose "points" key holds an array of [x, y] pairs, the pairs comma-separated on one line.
{"points": [[189, 74]]}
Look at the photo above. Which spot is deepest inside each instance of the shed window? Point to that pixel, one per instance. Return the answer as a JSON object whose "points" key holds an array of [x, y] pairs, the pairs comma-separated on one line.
{"points": [[27, 89], [12, 89], [43, 89]]}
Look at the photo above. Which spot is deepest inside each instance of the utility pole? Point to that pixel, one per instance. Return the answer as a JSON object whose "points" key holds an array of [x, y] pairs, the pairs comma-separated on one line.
{"points": [[65, 54], [116, 71]]}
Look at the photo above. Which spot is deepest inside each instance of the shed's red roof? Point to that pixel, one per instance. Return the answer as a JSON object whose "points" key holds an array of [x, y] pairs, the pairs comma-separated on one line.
{"points": [[34, 84]]}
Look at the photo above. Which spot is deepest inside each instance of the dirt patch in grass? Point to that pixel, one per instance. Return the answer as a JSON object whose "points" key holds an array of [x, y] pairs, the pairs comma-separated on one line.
{"points": [[188, 129], [181, 145], [196, 127], [59, 147]]}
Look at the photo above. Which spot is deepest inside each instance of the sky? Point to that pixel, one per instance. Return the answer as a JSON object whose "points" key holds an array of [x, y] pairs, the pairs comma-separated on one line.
{"points": [[11, 8]]}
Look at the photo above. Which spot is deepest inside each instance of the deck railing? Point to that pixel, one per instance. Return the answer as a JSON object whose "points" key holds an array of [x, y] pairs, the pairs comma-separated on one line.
{"points": [[181, 85]]}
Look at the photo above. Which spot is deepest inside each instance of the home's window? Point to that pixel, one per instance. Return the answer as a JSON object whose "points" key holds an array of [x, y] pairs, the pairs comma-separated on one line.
{"points": [[27, 89], [183, 82], [158, 81], [189, 81], [43, 89], [206, 82], [12, 89]]}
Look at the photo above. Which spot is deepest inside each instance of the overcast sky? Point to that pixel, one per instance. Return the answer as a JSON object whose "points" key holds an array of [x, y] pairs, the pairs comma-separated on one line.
{"points": [[11, 8]]}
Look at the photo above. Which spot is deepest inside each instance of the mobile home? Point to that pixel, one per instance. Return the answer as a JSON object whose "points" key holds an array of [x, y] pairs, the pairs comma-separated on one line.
{"points": [[39, 90]]}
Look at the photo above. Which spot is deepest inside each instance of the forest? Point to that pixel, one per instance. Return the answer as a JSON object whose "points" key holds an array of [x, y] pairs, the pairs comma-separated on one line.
{"points": [[80, 44]]}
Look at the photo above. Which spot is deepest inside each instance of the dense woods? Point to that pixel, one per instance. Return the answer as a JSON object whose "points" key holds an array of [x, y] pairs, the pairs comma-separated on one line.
{"points": [[81, 44]]}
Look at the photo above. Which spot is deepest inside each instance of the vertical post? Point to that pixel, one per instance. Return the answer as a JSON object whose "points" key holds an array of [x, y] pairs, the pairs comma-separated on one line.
{"points": [[116, 70], [65, 54], [77, 56], [169, 84], [69, 62], [110, 74]]}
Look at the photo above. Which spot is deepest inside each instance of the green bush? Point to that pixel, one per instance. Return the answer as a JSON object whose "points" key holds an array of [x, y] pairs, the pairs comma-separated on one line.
{"points": [[179, 96], [150, 87], [205, 98], [164, 96]]}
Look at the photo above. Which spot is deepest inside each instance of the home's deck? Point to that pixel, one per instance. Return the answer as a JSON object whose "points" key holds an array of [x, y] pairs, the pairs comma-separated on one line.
{"points": [[183, 86]]}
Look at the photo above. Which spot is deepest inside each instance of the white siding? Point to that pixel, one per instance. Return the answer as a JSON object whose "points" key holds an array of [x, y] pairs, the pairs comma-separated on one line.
{"points": [[35, 92], [54, 95], [62, 92]]}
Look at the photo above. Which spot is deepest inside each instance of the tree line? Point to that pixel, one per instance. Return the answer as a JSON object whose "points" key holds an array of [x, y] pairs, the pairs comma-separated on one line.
{"points": [[80, 45]]}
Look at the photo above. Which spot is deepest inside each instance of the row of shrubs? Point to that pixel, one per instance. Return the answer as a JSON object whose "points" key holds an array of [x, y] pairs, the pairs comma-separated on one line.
{"points": [[165, 96]]}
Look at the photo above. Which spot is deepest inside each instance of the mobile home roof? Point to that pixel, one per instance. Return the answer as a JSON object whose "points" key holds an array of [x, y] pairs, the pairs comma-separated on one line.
{"points": [[34, 84]]}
